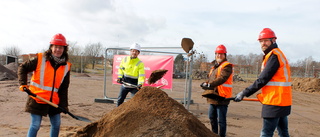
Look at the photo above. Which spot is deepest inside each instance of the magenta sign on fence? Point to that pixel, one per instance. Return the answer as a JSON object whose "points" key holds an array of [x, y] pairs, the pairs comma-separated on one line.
{"points": [[151, 63]]}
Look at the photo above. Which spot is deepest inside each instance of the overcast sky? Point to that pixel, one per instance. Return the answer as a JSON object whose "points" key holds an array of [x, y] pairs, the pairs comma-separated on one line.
{"points": [[30, 24]]}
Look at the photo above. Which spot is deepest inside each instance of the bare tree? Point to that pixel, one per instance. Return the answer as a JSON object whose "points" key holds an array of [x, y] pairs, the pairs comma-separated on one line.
{"points": [[12, 50], [77, 57], [93, 53]]}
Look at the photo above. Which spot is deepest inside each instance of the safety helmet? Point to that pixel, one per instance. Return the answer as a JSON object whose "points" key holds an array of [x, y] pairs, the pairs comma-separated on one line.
{"points": [[135, 46], [221, 49], [58, 39], [266, 33]]}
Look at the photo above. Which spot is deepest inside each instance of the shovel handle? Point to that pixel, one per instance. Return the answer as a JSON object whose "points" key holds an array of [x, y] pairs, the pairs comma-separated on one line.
{"points": [[42, 99], [244, 99], [250, 99], [56, 106]]}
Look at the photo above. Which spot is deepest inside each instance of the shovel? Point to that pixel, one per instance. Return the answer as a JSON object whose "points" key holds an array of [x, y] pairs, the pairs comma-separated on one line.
{"points": [[135, 86], [56, 106], [187, 44], [217, 97], [154, 77], [129, 85], [244, 99]]}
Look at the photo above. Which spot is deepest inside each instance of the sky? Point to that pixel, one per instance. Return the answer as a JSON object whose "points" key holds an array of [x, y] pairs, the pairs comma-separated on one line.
{"points": [[30, 24]]}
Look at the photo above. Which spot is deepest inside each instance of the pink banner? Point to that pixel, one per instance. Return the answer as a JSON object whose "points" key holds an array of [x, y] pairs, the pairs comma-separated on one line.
{"points": [[151, 63]]}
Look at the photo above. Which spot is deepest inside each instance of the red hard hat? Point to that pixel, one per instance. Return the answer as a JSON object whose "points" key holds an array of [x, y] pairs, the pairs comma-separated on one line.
{"points": [[58, 39], [221, 49], [266, 33]]}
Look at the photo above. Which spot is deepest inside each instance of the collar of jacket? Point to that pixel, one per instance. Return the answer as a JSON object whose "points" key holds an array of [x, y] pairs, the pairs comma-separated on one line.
{"points": [[216, 64], [271, 47]]}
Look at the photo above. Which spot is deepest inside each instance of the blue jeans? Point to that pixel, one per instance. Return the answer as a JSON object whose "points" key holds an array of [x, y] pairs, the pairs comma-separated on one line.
{"points": [[123, 94], [218, 114], [55, 121], [270, 124]]}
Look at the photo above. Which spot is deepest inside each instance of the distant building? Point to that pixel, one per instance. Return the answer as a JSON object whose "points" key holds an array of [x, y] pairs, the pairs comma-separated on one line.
{"points": [[10, 59]]}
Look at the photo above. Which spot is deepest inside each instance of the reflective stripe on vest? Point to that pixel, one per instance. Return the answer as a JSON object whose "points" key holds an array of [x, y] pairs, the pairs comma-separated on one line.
{"points": [[131, 68], [225, 89], [278, 90], [42, 85]]}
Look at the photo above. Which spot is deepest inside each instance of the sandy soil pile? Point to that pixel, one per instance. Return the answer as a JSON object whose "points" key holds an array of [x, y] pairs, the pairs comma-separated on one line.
{"points": [[9, 72], [306, 84], [12, 66], [151, 112]]}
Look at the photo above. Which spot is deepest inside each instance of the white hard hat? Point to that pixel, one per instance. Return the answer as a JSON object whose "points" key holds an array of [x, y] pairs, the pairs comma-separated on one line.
{"points": [[135, 46]]}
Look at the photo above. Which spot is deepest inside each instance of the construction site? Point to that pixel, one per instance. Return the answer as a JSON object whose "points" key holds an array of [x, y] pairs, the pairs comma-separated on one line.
{"points": [[153, 111]]}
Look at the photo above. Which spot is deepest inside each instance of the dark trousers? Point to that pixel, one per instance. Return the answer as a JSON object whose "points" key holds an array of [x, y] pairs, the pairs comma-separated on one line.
{"points": [[123, 94], [270, 124], [218, 119]]}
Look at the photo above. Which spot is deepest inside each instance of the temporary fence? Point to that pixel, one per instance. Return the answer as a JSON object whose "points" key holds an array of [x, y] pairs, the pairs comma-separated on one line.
{"points": [[188, 79]]}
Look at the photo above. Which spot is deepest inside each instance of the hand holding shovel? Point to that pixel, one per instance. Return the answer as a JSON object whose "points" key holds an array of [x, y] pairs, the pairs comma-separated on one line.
{"points": [[217, 97], [56, 106]]}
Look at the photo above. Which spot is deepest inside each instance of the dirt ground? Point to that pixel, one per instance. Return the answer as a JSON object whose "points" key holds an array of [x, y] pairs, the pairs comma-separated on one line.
{"points": [[243, 117]]}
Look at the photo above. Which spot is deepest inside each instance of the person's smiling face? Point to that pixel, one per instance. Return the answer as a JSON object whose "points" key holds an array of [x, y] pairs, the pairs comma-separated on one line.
{"points": [[57, 50]]}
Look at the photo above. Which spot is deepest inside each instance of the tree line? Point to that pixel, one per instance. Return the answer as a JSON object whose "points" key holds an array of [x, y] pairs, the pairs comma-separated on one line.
{"points": [[93, 53], [250, 65]]}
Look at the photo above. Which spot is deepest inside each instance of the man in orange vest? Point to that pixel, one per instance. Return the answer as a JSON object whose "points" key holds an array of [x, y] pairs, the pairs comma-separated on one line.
{"points": [[50, 80], [275, 83], [219, 84]]}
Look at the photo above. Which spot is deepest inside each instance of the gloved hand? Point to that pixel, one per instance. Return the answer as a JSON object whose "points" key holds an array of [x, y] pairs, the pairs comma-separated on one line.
{"points": [[206, 86], [239, 96], [23, 86], [139, 86], [203, 84], [119, 80]]}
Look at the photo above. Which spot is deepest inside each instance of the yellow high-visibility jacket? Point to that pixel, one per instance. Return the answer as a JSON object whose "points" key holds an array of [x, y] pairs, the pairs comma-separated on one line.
{"points": [[133, 69]]}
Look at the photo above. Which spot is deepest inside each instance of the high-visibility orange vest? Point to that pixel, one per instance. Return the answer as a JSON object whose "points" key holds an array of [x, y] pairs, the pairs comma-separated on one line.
{"points": [[45, 82], [225, 89], [277, 92]]}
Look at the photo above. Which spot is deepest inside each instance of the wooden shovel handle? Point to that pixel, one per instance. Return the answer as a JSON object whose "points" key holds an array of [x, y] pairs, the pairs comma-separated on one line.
{"points": [[250, 99], [50, 103], [42, 99]]}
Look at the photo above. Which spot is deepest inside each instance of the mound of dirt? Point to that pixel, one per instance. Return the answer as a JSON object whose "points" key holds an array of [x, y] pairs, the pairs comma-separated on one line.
{"points": [[12, 66], [151, 112], [306, 84], [7, 74]]}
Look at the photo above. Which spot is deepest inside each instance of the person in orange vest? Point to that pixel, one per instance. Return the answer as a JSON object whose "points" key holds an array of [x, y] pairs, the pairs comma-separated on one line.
{"points": [[219, 84], [50, 80], [275, 84]]}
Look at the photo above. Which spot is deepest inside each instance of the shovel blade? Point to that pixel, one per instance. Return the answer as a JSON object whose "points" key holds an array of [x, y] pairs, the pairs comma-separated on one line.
{"points": [[78, 117], [83, 119], [214, 96], [156, 75], [187, 44]]}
